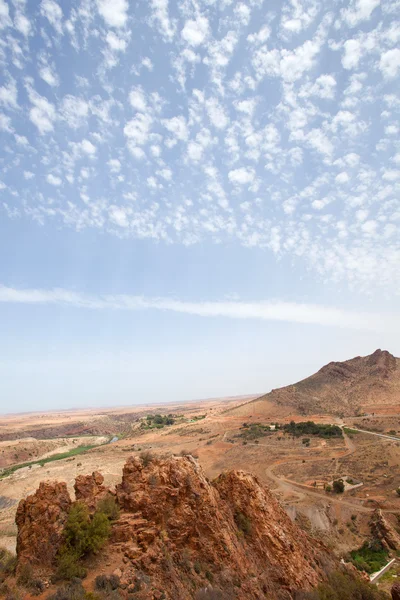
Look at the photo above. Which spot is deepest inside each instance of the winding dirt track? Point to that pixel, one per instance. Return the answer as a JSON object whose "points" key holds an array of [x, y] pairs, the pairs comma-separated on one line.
{"points": [[301, 490]]}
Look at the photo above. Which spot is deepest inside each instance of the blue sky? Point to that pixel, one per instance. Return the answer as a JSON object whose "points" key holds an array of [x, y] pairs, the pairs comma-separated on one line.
{"points": [[196, 198]]}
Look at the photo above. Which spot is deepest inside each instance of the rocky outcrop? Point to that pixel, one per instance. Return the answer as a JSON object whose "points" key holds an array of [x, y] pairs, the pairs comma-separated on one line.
{"points": [[382, 530], [233, 529], [40, 520], [90, 489], [178, 532], [395, 591]]}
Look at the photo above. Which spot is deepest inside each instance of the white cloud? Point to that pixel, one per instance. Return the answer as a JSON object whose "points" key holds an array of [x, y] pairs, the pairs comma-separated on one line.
{"points": [[323, 87], [342, 177], [138, 129], [389, 63], [216, 113], [137, 99], [43, 113], [160, 16], [261, 36], [195, 32], [114, 165], [28, 175], [352, 54], [8, 95], [241, 176], [114, 12], [5, 20], [264, 311], [177, 127], [53, 13], [74, 111], [116, 43], [359, 10], [119, 215], [88, 147], [53, 180], [49, 76], [22, 24]]}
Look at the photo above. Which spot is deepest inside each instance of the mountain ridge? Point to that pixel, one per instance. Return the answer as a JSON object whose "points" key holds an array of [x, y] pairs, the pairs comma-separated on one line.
{"points": [[343, 388]]}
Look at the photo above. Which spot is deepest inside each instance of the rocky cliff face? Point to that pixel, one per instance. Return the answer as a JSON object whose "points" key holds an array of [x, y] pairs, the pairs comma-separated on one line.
{"points": [[177, 532], [382, 530], [40, 520]]}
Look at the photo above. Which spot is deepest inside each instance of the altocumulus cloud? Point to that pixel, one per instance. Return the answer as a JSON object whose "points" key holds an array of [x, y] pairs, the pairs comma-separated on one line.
{"points": [[264, 311]]}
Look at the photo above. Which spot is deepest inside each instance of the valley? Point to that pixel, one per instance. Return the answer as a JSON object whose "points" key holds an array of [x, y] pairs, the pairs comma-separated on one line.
{"points": [[299, 458]]}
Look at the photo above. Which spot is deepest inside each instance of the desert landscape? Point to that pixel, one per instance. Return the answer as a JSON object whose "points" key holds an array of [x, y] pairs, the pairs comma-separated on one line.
{"points": [[298, 454]]}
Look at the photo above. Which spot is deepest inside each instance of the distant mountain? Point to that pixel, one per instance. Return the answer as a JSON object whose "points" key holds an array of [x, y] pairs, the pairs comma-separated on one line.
{"points": [[360, 383]]}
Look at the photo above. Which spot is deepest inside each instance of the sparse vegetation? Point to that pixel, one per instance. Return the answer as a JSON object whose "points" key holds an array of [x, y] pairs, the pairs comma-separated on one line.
{"points": [[371, 557], [342, 585], [8, 562], [146, 457], [243, 523], [106, 583], [157, 421], [311, 428], [109, 507], [72, 591], [27, 579]]}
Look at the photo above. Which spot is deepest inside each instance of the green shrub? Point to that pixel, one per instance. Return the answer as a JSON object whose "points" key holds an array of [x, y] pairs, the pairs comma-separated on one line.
{"points": [[197, 567], [106, 583], [83, 535], [109, 507], [371, 557], [328, 488], [243, 523], [338, 486], [146, 457], [72, 591], [68, 565], [311, 428], [27, 579], [8, 562]]}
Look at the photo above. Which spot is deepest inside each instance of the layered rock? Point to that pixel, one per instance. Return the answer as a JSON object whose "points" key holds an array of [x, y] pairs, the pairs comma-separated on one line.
{"points": [[90, 489], [40, 519], [382, 530], [177, 532], [233, 529]]}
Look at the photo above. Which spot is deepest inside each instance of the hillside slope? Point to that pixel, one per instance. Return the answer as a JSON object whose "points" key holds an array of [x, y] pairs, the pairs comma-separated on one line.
{"points": [[361, 383]]}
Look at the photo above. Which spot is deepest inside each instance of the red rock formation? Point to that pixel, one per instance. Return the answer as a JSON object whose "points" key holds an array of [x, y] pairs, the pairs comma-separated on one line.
{"points": [[178, 532], [90, 489], [40, 520], [172, 510], [382, 530]]}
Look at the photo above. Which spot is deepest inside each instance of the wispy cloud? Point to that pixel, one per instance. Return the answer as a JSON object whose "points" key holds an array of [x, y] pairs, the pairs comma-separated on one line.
{"points": [[291, 312]]}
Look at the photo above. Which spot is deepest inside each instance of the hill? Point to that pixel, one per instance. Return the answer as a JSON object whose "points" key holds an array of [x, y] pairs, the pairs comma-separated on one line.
{"points": [[360, 384]]}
